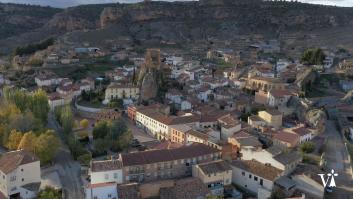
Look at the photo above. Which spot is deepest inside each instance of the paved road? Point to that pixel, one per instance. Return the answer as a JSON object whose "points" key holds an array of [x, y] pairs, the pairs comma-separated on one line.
{"points": [[337, 159], [138, 134], [69, 170]]}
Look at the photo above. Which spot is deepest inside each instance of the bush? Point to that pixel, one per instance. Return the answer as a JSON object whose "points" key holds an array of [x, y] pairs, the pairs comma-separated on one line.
{"points": [[85, 159], [32, 48], [307, 147]]}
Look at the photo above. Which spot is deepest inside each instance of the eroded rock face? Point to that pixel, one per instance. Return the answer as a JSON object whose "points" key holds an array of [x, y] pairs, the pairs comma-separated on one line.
{"points": [[149, 86], [317, 119]]}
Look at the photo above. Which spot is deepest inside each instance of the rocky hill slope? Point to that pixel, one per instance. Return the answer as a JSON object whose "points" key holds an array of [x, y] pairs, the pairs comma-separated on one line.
{"points": [[17, 19], [175, 21]]}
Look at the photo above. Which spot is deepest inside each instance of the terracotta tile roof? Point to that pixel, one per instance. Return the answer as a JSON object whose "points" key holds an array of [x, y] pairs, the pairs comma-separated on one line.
{"points": [[198, 134], [128, 191], [241, 134], [106, 165], [286, 137], [167, 145], [288, 158], [228, 121], [280, 93], [11, 160], [262, 170], [301, 131], [168, 120], [104, 184], [187, 188], [214, 167], [164, 155]]}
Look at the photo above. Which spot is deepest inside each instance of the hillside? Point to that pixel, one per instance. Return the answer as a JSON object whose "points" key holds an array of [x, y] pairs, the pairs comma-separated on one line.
{"points": [[184, 22], [18, 19]]}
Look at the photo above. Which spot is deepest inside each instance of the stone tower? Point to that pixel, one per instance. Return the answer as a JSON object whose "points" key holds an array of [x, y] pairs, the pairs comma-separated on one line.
{"points": [[148, 74]]}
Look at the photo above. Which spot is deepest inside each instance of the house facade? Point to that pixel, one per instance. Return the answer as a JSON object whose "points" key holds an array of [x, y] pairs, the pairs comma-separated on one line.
{"points": [[19, 171]]}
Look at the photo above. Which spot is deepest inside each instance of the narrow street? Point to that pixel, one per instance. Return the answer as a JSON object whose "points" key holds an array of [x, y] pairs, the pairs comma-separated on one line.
{"points": [[68, 169], [337, 159]]}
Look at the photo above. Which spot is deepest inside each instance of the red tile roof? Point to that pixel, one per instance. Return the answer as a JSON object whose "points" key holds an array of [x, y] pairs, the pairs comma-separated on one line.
{"points": [[164, 155], [11, 160]]}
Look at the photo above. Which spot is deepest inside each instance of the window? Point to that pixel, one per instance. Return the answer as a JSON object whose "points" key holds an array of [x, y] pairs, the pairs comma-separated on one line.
{"points": [[23, 179], [250, 176], [109, 195], [115, 175], [255, 178], [261, 182], [22, 170], [243, 173]]}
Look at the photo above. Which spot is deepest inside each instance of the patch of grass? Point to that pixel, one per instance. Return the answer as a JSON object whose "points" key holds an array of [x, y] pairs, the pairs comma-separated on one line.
{"points": [[311, 159]]}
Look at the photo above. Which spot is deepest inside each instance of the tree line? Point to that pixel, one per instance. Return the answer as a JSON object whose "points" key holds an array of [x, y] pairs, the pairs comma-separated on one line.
{"points": [[23, 117], [32, 48]]}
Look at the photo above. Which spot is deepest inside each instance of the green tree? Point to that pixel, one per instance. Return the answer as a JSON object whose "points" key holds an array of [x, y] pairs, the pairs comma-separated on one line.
{"points": [[49, 193], [39, 105], [124, 140], [314, 56], [101, 145], [101, 129], [14, 140], [46, 146], [117, 129], [25, 122], [66, 119], [85, 159], [28, 141], [307, 147]]}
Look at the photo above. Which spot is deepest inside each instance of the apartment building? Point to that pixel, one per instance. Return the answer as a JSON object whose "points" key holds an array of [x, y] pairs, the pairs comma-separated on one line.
{"points": [[215, 175], [20, 175], [119, 91], [162, 164], [159, 124]]}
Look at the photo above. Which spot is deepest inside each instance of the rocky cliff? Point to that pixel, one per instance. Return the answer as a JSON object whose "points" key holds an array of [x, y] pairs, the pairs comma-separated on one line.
{"points": [[178, 22]]}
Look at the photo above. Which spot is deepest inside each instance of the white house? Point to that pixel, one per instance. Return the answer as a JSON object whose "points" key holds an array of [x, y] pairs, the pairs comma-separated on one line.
{"points": [[20, 175], [274, 156], [101, 191], [46, 80], [229, 126], [303, 133], [105, 176], [277, 98], [254, 176], [328, 62], [55, 100]]}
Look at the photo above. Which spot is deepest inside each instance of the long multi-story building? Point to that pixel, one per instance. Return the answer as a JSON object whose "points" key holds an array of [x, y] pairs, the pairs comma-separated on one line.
{"points": [[166, 163], [159, 124], [119, 91]]}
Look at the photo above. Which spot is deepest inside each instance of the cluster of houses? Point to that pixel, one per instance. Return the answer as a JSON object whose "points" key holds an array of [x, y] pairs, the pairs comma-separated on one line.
{"points": [[211, 137], [209, 146]]}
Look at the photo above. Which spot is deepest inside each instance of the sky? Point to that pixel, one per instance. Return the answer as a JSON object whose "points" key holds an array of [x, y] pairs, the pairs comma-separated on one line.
{"points": [[68, 3]]}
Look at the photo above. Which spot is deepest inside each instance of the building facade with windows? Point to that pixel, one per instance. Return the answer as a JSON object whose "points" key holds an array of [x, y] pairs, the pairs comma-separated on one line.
{"points": [[162, 164], [254, 176], [118, 91], [20, 175]]}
